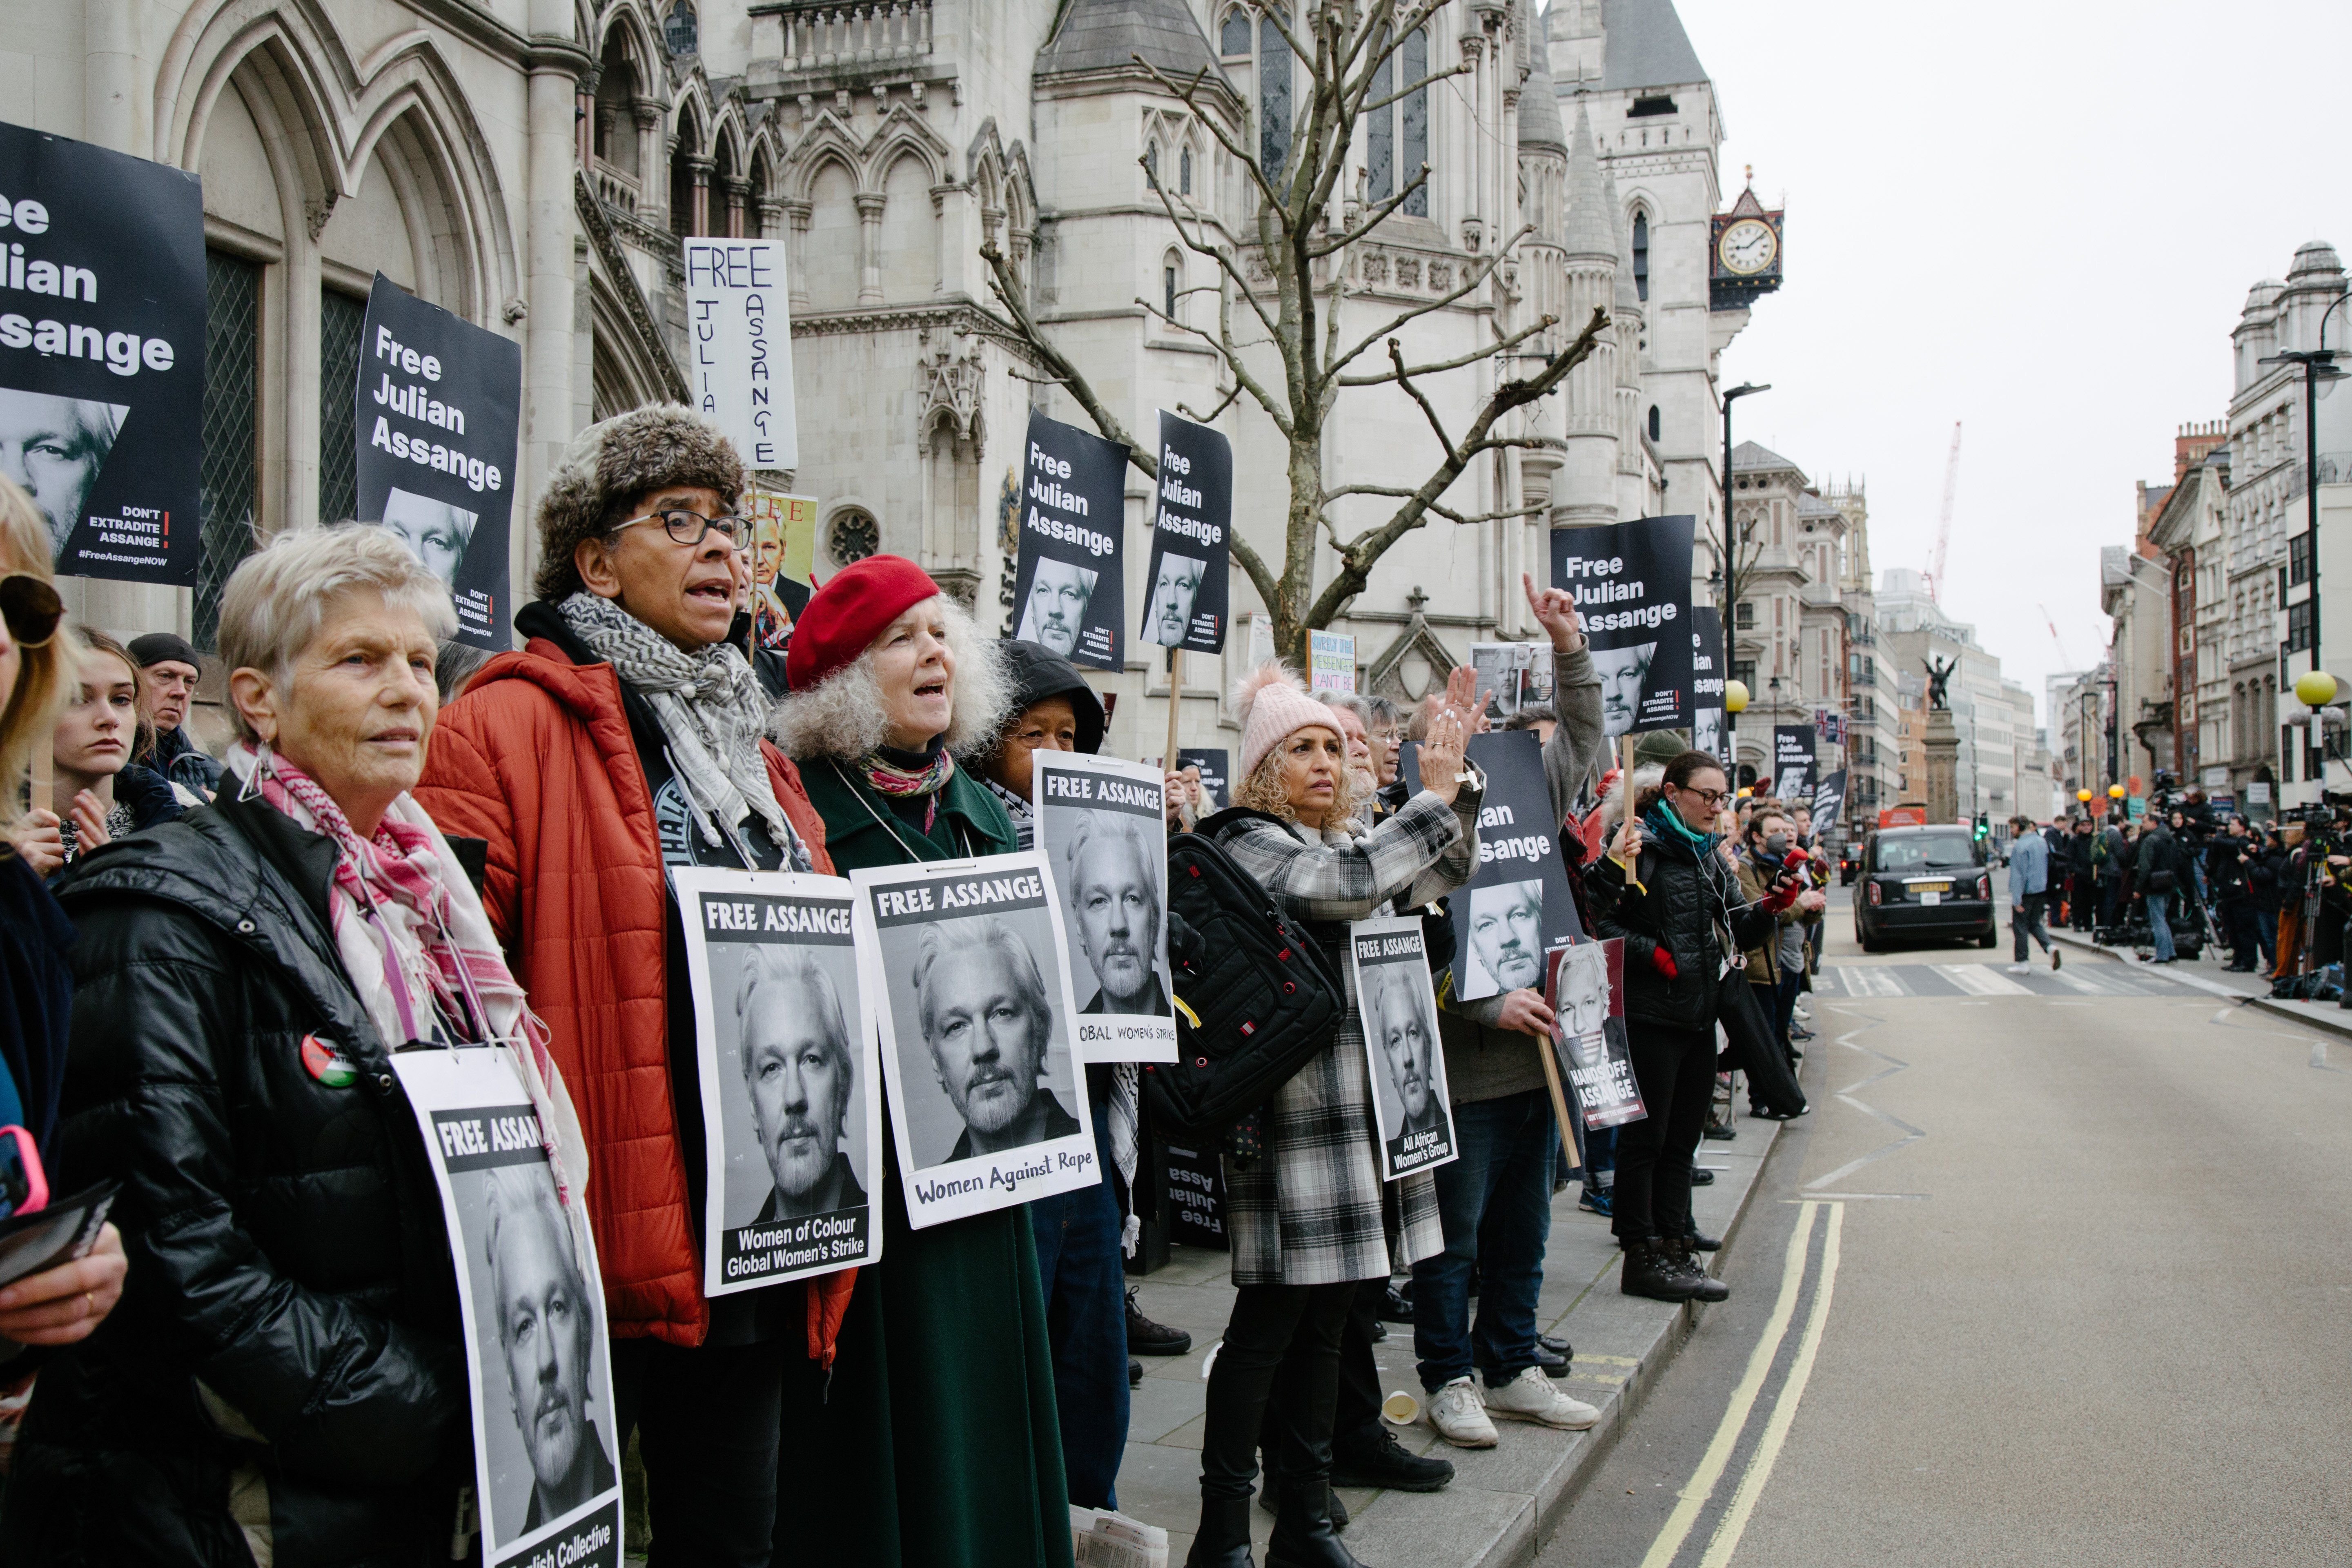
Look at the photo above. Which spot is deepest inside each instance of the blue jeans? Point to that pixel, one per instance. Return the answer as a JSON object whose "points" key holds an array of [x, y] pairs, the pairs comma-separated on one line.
{"points": [[2159, 920], [1495, 1202], [1079, 1264]]}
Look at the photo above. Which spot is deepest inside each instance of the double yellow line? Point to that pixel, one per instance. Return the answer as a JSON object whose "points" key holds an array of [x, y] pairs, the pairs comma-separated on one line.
{"points": [[1693, 1499]]}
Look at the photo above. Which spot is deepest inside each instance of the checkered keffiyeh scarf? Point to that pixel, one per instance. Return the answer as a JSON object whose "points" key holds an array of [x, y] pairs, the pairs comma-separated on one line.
{"points": [[711, 711], [417, 946]]}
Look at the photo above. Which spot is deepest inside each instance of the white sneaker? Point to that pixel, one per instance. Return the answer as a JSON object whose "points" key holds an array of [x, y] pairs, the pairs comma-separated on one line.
{"points": [[2021, 968], [1532, 1396], [1460, 1417]]}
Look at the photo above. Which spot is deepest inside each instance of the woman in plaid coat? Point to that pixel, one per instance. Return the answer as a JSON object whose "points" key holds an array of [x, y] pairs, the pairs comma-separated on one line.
{"points": [[1310, 1217]]}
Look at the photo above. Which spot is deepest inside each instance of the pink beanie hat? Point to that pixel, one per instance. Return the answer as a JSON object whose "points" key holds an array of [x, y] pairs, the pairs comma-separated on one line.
{"points": [[1272, 706]]}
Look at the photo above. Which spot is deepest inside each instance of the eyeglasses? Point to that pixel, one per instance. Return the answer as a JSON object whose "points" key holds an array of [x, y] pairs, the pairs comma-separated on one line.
{"points": [[1713, 799], [31, 608], [690, 528]]}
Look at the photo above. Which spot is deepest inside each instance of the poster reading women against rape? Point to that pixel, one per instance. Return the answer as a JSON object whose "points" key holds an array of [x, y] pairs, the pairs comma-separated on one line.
{"points": [[784, 1053], [531, 1302], [1101, 823], [1399, 1008], [970, 977], [1069, 587], [1631, 583], [1587, 992], [437, 411], [102, 354], [1191, 549]]}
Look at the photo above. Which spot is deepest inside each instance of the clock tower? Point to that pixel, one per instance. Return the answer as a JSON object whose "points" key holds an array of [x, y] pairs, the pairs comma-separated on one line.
{"points": [[1745, 260]]}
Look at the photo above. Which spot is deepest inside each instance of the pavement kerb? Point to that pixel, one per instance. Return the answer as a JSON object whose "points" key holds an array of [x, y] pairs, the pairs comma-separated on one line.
{"points": [[1384, 1531], [2314, 1017]]}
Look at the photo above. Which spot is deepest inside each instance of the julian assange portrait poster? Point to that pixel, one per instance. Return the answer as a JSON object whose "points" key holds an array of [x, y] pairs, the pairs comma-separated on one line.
{"points": [[784, 1053], [1631, 583]]}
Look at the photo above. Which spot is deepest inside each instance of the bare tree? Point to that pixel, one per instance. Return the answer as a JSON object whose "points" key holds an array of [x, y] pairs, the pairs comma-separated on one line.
{"points": [[1349, 48]]}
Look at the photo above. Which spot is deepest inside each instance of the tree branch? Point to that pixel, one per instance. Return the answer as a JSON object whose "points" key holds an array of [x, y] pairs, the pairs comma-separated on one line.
{"points": [[1006, 285], [1469, 285], [1500, 346], [1444, 442]]}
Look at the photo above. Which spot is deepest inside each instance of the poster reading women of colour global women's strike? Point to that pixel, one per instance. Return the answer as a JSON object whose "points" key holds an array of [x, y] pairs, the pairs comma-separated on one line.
{"points": [[784, 1053], [969, 974]]}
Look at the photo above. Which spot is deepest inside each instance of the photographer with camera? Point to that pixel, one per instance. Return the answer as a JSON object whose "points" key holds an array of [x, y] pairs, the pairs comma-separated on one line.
{"points": [[2229, 865], [2156, 874]]}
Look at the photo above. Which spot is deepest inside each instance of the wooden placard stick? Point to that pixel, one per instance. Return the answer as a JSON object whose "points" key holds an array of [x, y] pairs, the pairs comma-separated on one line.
{"points": [[1175, 703]]}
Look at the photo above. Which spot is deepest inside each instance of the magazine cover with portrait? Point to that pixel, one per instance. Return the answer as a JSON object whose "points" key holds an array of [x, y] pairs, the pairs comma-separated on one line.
{"points": [[1105, 835], [791, 1125], [969, 973], [1399, 1007], [546, 1467], [1588, 1001]]}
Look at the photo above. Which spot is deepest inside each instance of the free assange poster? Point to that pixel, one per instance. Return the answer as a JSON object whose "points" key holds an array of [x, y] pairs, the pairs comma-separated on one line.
{"points": [[437, 411], [1069, 589], [1185, 603], [102, 355], [1631, 583]]}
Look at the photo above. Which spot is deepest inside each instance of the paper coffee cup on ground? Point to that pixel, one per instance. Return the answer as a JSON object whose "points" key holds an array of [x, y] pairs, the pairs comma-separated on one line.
{"points": [[1401, 1408]]}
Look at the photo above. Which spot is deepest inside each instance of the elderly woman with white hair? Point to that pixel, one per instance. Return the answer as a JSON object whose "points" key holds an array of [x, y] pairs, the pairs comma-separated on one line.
{"points": [[284, 1374], [1310, 1218], [945, 1383]]}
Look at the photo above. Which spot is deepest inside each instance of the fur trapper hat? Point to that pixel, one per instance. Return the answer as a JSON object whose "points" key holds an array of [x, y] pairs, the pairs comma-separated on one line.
{"points": [[610, 465]]}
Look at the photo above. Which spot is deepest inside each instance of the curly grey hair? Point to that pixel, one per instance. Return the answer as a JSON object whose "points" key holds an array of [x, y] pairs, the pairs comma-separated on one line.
{"points": [[845, 716]]}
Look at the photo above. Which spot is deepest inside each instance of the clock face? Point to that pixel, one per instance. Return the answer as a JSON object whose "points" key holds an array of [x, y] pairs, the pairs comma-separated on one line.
{"points": [[1747, 247]]}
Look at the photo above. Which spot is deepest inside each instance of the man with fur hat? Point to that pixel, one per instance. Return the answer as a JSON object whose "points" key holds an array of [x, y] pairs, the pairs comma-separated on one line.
{"points": [[624, 739]]}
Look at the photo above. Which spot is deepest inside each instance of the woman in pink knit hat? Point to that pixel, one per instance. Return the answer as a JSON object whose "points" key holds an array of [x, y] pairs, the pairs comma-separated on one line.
{"points": [[1310, 1217]]}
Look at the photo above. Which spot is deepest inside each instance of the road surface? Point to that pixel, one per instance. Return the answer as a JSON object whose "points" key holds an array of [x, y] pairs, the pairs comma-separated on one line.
{"points": [[2054, 1273]]}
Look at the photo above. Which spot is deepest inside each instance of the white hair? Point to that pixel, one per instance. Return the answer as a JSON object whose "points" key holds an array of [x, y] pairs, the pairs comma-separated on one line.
{"points": [[843, 715], [276, 602]]}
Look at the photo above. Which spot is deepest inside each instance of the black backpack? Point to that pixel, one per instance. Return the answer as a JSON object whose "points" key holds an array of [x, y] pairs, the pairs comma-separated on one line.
{"points": [[1256, 997]]}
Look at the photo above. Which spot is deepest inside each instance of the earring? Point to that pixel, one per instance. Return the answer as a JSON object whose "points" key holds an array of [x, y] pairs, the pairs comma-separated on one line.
{"points": [[252, 785]]}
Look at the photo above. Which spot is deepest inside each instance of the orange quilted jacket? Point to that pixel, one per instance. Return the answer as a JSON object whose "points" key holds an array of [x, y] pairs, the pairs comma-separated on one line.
{"points": [[537, 758]]}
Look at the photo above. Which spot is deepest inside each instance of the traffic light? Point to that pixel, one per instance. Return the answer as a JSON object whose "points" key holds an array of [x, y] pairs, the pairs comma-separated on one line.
{"points": [[1984, 826]]}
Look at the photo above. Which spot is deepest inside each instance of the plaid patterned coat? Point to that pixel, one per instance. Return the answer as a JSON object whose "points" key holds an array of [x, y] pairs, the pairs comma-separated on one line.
{"points": [[1313, 1209]]}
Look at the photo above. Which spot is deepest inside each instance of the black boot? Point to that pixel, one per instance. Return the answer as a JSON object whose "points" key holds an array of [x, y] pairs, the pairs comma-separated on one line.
{"points": [[1306, 1404], [1304, 1536], [1708, 1288], [1650, 1272], [1223, 1541]]}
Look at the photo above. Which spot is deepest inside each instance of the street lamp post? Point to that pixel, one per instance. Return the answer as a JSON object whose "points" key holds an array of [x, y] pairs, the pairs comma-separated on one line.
{"points": [[1729, 541], [2318, 365]]}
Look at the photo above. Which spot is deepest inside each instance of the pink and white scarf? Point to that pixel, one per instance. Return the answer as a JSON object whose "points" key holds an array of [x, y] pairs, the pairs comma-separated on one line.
{"points": [[419, 948]]}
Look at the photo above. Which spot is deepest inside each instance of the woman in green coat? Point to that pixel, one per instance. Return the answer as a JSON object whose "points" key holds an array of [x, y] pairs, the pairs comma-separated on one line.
{"points": [[936, 1442]]}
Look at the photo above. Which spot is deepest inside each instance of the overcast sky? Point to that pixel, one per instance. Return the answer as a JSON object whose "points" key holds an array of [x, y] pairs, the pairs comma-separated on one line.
{"points": [[2040, 220]]}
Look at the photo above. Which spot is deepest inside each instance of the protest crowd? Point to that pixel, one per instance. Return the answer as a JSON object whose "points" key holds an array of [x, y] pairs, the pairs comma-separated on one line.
{"points": [[219, 971]]}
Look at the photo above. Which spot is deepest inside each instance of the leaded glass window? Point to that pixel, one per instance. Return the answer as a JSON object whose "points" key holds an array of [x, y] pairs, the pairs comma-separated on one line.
{"points": [[1273, 98], [1414, 128], [342, 318], [231, 388], [1379, 134]]}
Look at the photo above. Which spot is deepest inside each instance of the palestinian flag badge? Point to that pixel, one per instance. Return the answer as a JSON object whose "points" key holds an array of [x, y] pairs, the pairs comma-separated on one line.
{"points": [[326, 1062]]}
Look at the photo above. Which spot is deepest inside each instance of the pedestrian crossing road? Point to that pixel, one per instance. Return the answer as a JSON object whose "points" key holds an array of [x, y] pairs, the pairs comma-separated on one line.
{"points": [[2091, 979]]}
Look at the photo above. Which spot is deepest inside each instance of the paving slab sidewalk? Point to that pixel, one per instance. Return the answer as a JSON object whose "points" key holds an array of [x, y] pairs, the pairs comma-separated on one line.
{"points": [[1504, 1501], [2252, 990]]}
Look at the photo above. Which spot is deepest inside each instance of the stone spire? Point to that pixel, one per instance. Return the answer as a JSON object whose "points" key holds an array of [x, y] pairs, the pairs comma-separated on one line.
{"points": [[1540, 126], [1591, 232]]}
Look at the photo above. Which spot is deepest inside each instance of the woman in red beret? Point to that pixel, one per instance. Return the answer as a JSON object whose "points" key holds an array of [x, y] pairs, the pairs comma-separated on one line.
{"points": [[944, 1384]]}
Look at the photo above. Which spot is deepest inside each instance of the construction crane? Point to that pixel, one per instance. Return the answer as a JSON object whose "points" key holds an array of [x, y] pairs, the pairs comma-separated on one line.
{"points": [[2065, 660], [1944, 523]]}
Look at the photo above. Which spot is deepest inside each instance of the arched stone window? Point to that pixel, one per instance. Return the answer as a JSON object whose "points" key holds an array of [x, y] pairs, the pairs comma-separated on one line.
{"points": [[1273, 74], [1396, 135], [1641, 256]]}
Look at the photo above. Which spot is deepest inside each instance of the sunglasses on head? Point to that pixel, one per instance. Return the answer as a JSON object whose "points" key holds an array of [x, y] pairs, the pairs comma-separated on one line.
{"points": [[31, 608]]}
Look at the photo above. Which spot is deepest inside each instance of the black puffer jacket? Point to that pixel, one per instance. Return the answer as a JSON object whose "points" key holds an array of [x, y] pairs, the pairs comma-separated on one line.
{"points": [[290, 1313], [1681, 901]]}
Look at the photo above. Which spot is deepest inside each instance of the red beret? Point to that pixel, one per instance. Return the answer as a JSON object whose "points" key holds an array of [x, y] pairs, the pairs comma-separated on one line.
{"points": [[848, 613]]}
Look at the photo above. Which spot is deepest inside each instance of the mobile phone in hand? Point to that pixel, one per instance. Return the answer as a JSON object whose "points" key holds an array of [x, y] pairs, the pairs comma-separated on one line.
{"points": [[24, 1187]]}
